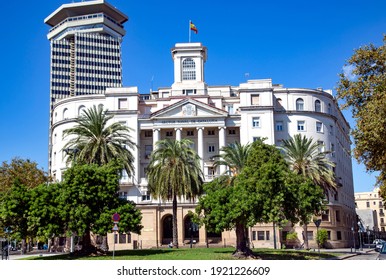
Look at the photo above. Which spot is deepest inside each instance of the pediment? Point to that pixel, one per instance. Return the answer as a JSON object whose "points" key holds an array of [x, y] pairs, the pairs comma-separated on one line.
{"points": [[189, 108]]}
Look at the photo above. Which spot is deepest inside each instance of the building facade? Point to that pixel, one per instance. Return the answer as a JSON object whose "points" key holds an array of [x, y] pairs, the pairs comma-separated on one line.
{"points": [[213, 117], [85, 42], [370, 208]]}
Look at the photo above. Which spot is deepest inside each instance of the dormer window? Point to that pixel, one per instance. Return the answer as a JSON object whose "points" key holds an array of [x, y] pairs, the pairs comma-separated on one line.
{"points": [[188, 69]]}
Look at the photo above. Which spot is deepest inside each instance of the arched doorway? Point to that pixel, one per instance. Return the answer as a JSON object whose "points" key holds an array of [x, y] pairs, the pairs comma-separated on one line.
{"points": [[191, 230], [167, 229]]}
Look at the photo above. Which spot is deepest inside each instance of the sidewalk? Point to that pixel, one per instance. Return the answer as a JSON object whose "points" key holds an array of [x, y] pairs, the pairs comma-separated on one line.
{"points": [[346, 252], [34, 253]]}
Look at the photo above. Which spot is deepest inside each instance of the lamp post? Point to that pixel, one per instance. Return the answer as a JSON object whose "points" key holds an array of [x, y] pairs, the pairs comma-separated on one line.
{"points": [[353, 238], [317, 224]]}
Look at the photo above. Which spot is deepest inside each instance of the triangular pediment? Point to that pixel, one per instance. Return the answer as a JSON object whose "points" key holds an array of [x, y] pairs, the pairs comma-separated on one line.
{"points": [[189, 108]]}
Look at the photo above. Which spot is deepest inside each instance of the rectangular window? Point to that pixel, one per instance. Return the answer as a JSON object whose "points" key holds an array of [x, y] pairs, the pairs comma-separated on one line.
{"points": [[230, 108], [332, 148], [326, 215], [211, 132], [328, 235], [122, 103], [267, 235], [256, 139], [211, 148], [310, 235], [253, 235], [146, 196], [122, 238], [319, 127], [232, 131], [301, 126], [380, 204], [279, 126], [331, 130], [169, 133], [337, 216], [260, 235], [148, 133], [190, 133], [255, 99], [148, 151], [256, 122], [339, 235], [368, 204]]}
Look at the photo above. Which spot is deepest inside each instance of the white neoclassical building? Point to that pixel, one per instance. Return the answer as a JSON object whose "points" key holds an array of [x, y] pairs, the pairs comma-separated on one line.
{"points": [[213, 117]]}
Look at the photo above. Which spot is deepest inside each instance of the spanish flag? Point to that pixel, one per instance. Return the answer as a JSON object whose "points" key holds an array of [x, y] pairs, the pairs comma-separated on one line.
{"points": [[193, 28]]}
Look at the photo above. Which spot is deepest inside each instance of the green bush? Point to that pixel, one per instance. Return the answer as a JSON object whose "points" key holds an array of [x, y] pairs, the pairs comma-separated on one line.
{"points": [[321, 237], [291, 236]]}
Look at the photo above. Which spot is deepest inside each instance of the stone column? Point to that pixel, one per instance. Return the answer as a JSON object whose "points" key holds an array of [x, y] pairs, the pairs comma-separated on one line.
{"points": [[156, 136], [221, 143], [178, 133], [200, 146]]}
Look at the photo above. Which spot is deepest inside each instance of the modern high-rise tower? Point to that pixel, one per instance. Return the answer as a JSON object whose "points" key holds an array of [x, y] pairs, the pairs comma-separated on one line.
{"points": [[85, 50]]}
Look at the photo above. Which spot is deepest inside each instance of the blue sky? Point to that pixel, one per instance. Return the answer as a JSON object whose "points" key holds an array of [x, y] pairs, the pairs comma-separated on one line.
{"points": [[296, 43]]}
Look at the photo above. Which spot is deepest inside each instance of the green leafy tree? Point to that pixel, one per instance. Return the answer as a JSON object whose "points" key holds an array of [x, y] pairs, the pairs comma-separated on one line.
{"points": [[321, 237], [362, 88], [25, 170], [90, 196], [97, 142], [260, 193], [46, 213], [14, 212], [305, 158], [174, 172]]}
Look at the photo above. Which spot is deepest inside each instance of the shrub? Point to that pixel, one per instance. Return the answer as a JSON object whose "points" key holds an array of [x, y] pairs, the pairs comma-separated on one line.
{"points": [[321, 237]]}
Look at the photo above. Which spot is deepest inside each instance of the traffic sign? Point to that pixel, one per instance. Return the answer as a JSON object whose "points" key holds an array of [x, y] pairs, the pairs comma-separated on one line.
{"points": [[115, 227], [317, 222], [116, 217]]}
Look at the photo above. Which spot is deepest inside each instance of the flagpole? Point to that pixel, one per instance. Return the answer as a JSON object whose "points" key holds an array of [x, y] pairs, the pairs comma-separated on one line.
{"points": [[190, 22]]}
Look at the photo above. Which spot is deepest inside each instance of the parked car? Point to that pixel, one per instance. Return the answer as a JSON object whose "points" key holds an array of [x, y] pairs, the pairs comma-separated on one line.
{"points": [[378, 244], [382, 252]]}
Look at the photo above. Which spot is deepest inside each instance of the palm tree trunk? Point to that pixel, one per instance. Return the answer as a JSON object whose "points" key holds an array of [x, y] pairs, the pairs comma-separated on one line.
{"points": [[175, 232]]}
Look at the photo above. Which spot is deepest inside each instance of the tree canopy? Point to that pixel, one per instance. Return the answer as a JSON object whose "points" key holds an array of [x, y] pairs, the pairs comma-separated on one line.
{"points": [[97, 142], [362, 88]]}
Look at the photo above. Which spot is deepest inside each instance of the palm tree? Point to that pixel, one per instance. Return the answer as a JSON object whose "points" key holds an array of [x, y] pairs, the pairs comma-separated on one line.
{"points": [[233, 156], [174, 172], [305, 157], [99, 143]]}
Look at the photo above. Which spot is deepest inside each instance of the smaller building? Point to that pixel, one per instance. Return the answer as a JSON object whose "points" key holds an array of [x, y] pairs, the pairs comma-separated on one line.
{"points": [[370, 209]]}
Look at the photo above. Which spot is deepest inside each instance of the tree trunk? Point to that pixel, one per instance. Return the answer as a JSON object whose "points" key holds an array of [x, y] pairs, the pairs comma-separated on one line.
{"points": [[242, 251], [175, 231], [87, 247], [23, 246], [305, 236]]}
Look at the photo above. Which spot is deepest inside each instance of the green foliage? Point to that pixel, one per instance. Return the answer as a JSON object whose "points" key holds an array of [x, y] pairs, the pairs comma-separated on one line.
{"points": [[26, 171], [364, 91], [98, 143], [321, 237], [304, 157], [234, 157], [46, 213], [292, 236], [14, 210], [173, 172]]}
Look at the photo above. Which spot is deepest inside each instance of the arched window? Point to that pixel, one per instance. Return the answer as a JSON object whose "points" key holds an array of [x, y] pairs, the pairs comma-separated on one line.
{"points": [[299, 104], [65, 114], [81, 110], [188, 69], [318, 106]]}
